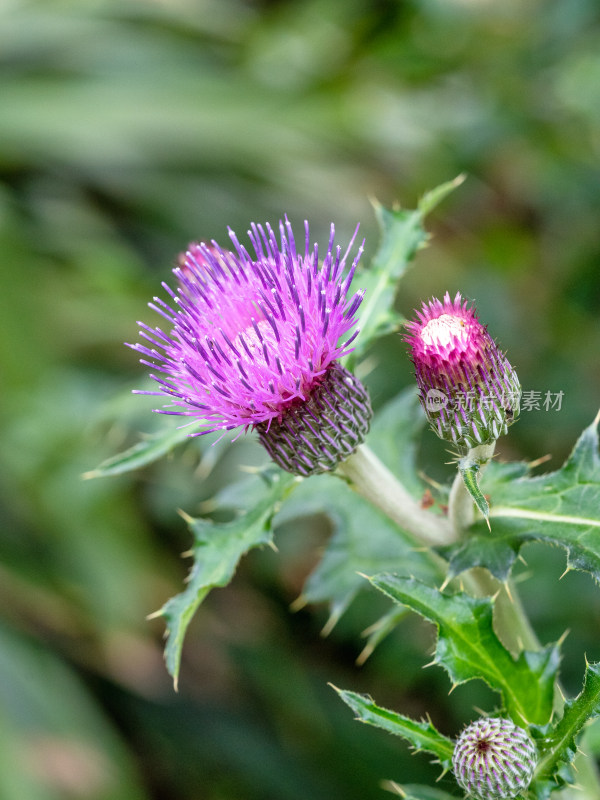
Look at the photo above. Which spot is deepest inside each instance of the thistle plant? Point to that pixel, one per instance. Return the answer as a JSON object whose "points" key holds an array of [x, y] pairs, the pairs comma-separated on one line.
{"points": [[268, 342]]}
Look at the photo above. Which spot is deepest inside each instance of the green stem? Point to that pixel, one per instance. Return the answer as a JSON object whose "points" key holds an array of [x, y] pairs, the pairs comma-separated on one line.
{"points": [[374, 481], [511, 622]]}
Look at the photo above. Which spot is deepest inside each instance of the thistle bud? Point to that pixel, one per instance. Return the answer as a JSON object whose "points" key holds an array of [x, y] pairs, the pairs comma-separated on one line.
{"points": [[316, 435], [494, 759], [468, 388]]}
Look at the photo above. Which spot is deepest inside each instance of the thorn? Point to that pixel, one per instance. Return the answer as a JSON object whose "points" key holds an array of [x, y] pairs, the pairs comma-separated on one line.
{"points": [[561, 693], [364, 654], [445, 583], [536, 462], [563, 637], [392, 786], [442, 773], [506, 586], [568, 569], [330, 624], [372, 628], [155, 614], [185, 516], [425, 477], [522, 577], [298, 604], [86, 476], [249, 469], [452, 688]]}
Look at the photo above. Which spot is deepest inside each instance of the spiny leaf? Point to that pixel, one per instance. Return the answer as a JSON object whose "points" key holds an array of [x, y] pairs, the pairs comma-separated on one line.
{"points": [[557, 745], [402, 234], [364, 540], [217, 550], [468, 648], [421, 735], [560, 508], [142, 453]]}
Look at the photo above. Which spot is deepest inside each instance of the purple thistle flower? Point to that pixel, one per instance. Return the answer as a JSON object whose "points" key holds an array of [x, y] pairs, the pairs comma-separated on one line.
{"points": [[253, 340], [468, 388], [494, 759]]}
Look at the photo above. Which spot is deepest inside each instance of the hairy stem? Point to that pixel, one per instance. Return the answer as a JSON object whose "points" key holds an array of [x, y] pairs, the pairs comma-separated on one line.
{"points": [[374, 481]]}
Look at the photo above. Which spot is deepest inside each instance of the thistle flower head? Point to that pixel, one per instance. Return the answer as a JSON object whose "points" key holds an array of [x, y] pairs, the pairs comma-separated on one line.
{"points": [[468, 389], [252, 338], [494, 759]]}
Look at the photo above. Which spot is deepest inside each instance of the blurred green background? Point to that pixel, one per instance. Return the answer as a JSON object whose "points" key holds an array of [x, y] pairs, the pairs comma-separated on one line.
{"points": [[128, 128]]}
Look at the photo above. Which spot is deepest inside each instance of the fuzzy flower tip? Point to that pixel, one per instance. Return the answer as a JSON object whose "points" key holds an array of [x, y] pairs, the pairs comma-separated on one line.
{"points": [[494, 759], [253, 339], [469, 390]]}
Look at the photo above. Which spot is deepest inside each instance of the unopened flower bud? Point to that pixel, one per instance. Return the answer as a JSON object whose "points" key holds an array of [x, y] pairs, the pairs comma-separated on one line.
{"points": [[494, 759], [468, 388]]}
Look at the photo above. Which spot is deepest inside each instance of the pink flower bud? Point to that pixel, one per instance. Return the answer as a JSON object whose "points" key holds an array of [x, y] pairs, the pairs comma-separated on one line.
{"points": [[468, 388]]}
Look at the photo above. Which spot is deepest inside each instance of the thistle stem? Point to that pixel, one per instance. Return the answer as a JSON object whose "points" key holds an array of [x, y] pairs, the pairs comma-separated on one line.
{"points": [[373, 480]]}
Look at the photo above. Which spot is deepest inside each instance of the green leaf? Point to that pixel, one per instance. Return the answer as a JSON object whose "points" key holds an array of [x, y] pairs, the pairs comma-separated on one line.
{"points": [[468, 648], [142, 453], [560, 508], [217, 549], [402, 234], [469, 471], [421, 735], [364, 541], [557, 745]]}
